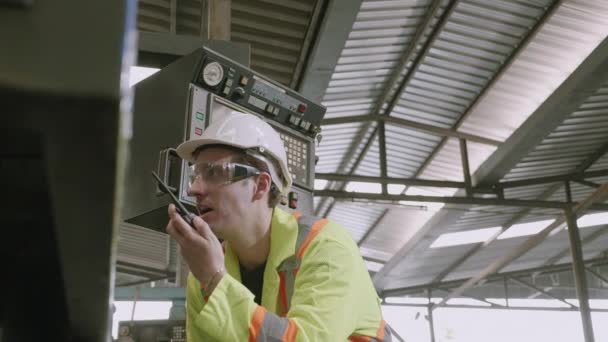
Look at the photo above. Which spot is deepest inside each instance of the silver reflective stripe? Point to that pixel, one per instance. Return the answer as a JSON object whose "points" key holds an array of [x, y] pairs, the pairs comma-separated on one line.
{"points": [[305, 224], [273, 328], [289, 268], [290, 265]]}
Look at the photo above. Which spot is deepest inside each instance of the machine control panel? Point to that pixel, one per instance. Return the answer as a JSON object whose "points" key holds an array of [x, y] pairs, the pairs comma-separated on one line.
{"points": [[204, 108], [152, 331], [228, 79]]}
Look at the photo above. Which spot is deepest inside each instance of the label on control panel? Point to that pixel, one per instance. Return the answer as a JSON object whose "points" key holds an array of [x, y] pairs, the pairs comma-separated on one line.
{"points": [[261, 104], [276, 95]]}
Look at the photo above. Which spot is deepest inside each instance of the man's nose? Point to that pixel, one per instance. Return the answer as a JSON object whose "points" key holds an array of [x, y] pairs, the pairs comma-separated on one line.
{"points": [[197, 188]]}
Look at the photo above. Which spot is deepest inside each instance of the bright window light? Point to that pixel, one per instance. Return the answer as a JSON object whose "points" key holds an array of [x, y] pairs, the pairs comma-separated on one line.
{"points": [[593, 303], [138, 74], [373, 266], [395, 189], [465, 238], [524, 229], [591, 220], [372, 188], [407, 300], [320, 184], [537, 303], [467, 301]]}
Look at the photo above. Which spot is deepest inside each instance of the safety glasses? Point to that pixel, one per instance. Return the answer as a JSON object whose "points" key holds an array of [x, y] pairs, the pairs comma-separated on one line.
{"points": [[221, 173]]}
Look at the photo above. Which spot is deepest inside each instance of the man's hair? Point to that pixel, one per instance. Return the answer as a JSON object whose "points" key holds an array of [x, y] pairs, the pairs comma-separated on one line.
{"points": [[274, 195]]}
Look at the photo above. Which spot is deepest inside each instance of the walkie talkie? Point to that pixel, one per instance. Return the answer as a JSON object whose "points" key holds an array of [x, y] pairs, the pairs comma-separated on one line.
{"points": [[183, 212]]}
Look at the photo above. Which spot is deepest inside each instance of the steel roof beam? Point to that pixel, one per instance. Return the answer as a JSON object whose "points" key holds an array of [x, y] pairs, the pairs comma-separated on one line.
{"points": [[554, 179], [522, 308], [579, 170], [395, 292], [589, 76], [366, 148], [588, 162], [598, 196], [380, 277], [597, 275], [418, 126], [337, 22], [347, 195], [537, 289], [405, 58], [371, 229], [390, 180]]}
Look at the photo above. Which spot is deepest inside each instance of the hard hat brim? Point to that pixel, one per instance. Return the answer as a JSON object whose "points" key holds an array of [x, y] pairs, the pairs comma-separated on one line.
{"points": [[186, 149]]}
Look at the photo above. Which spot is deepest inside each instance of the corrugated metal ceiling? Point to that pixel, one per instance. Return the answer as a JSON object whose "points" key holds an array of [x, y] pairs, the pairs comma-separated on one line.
{"points": [[553, 66]]}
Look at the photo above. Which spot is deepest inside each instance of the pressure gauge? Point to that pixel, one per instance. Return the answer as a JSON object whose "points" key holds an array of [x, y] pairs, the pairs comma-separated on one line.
{"points": [[213, 74]]}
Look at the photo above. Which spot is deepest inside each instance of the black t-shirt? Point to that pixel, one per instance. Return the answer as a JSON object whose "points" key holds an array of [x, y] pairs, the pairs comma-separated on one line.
{"points": [[254, 281]]}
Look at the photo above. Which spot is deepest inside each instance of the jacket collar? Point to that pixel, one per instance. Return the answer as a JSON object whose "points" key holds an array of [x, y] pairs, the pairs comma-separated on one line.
{"points": [[283, 235]]}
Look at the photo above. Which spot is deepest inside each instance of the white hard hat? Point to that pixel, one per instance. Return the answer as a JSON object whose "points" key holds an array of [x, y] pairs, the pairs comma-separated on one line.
{"points": [[247, 132]]}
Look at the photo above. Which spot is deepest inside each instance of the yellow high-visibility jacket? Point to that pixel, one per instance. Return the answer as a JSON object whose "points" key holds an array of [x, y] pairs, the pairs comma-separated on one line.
{"points": [[325, 295]]}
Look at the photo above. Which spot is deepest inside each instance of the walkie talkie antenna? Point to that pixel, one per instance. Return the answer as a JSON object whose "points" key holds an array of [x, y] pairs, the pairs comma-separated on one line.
{"points": [[184, 213]]}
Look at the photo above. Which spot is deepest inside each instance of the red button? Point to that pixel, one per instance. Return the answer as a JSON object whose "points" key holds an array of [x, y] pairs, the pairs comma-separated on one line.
{"points": [[198, 131], [301, 108]]}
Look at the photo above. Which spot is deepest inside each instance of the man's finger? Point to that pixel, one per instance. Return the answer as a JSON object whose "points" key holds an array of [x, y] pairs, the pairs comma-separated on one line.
{"points": [[174, 233], [179, 224], [202, 228]]}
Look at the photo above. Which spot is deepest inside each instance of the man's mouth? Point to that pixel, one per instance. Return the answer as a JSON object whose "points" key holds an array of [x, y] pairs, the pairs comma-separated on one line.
{"points": [[204, 210]]}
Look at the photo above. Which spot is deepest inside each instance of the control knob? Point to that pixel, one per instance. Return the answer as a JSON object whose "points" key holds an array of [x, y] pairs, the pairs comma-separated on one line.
{"points": [[238, 92]]}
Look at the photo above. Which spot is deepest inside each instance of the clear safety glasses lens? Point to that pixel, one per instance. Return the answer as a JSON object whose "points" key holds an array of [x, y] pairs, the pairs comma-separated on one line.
{"points": [[221, 173]]}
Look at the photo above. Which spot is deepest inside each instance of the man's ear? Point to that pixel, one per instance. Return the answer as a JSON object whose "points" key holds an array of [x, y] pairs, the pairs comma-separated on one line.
{"points": [[263, 184]]}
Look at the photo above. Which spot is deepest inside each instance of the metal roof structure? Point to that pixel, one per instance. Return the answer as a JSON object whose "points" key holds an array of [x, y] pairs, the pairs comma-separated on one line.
{"points": [[500, 106]]}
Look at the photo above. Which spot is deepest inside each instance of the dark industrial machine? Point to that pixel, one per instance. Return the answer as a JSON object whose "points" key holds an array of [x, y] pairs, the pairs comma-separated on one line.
{"points": [[180, 101], [65, 122]]}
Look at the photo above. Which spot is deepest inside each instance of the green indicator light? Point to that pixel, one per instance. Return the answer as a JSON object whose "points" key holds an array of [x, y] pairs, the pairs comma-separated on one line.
{"points": [[200, 116]]}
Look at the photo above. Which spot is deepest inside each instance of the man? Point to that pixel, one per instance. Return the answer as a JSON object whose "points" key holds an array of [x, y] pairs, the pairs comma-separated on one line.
{"points": [[278, 276]]}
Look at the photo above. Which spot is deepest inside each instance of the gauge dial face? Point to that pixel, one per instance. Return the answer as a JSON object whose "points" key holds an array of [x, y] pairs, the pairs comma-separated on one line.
{"points": [[213, 73]]}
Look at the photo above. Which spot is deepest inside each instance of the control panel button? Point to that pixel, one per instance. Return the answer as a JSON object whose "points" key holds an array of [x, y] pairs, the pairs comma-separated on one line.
{"points": [[226, 90], [276, 111], [244, 80], [200, 116], [269, 108], [198, 131], [305, 125], [301, 108], [295, 120]]}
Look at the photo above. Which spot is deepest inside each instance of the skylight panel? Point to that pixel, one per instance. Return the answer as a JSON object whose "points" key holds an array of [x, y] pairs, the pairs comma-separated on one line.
{"points": [[465, 237], [525, 229]]}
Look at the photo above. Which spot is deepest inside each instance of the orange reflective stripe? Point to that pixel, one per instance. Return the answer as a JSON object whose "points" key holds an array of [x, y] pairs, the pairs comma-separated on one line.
{"points": [[256, 323], [291, 332], [316, 228], [282, 292], [297, 215], [380, 333], [360, 338]]}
